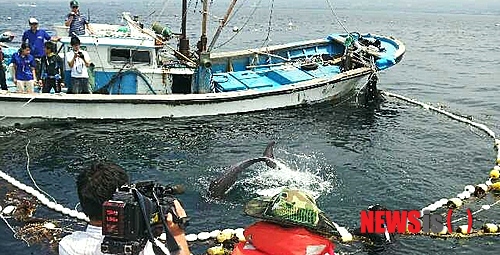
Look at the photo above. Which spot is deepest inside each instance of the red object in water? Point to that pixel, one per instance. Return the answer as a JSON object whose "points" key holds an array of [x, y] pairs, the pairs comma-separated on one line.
{"points": [[264, 238]]}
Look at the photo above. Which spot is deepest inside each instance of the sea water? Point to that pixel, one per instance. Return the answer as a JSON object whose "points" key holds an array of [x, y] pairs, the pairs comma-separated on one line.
{"points": [[396, 154]]}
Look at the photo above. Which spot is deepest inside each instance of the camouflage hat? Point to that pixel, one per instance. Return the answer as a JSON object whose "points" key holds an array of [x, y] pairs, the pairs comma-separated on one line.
{"points": [[289, 207]]}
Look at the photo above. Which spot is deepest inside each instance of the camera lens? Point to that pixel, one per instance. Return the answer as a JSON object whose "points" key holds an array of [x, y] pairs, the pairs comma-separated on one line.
{"points": [[104, 248]]}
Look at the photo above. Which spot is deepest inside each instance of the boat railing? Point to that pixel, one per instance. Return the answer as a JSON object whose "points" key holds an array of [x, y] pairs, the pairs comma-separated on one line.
{"points": [[131, 29]]}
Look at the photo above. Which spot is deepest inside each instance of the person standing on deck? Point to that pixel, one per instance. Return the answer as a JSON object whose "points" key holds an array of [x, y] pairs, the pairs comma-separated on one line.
{"points": [[24, 73], [76, 21], [78, 60], [3, 81], [52, 68], [36, 39]]}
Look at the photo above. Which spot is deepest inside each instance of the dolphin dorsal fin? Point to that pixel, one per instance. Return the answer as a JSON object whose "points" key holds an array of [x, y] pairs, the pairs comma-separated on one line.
{"points": [[268, 153]]}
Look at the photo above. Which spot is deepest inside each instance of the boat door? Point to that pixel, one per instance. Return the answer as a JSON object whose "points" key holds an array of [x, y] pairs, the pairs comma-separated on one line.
{"points": [[181, 83]]}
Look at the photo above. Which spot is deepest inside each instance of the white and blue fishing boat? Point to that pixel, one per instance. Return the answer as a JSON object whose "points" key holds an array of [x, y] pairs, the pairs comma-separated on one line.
{"points": [[138, 74]]}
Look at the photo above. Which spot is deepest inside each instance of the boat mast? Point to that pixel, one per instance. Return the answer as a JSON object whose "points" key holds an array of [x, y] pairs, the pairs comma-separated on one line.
{"points": [[202, 44], [222, 25], [184, 41]]}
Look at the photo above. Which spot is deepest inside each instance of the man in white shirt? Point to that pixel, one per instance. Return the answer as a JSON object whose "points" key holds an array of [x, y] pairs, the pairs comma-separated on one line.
{"points": [[95, 186], [78, 60]]}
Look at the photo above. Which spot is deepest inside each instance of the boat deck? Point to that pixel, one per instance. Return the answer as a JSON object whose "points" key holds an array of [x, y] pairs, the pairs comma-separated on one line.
{"points": [[270, 78]]}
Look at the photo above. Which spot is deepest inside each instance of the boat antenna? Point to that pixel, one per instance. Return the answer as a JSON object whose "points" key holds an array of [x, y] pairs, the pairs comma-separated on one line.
{"points": [[184, 41], [222, 25], [202, 44], [88, 15]]}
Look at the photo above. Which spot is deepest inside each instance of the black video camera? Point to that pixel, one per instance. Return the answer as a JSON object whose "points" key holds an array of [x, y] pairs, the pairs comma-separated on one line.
{"points": [[136, 214]]}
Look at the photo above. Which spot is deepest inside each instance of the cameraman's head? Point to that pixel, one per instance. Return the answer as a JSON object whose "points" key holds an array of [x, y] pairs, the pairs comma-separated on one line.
{"points": [[97, 185], [75, 43]]}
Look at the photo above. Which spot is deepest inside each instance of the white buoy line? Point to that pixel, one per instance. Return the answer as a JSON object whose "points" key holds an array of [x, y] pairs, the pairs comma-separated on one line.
{"points": [[228, 233], [40, 197], [469, 190]]}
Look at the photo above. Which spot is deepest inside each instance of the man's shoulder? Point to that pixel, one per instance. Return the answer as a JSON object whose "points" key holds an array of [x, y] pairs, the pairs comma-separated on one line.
{"points": [[71, 238], [15, 56], [80, 242], [43, 31]]}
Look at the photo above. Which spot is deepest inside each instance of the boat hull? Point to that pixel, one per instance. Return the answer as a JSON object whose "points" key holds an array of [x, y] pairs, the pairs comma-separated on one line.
{"points": [[15, 106]]}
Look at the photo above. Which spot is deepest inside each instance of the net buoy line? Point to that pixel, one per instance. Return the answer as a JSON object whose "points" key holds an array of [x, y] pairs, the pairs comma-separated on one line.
{"points": [[470, 191]]}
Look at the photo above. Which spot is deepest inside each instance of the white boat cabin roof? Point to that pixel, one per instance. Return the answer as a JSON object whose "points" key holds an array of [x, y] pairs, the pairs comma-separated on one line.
{"points": [[113, 41], [127, 35]]}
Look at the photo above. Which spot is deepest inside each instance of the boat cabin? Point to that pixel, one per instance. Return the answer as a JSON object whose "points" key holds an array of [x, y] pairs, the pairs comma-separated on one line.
{"points": [[124, 62]]}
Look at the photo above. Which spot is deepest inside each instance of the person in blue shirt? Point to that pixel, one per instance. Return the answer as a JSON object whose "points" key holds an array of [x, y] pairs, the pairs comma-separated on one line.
{"points": [[76, 21], [36, 39], [24, 73]]}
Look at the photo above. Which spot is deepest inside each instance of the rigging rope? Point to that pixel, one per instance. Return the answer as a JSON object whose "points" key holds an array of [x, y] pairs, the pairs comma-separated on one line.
{"points": [[336, 17], [269, 27], [241, 28]]}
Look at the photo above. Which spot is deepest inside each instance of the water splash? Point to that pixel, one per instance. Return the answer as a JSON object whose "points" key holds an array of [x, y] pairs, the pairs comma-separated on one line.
{"points": [[267, 181]]}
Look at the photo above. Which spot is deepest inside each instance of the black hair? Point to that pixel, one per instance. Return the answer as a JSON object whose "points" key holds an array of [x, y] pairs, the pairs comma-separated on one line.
{"points": [[24, 46], [51, 46], [97, 185], [75, 40]]}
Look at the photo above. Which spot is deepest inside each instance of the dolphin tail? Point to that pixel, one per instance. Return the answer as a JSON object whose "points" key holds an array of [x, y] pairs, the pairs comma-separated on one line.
{"points": [[268, 153]]}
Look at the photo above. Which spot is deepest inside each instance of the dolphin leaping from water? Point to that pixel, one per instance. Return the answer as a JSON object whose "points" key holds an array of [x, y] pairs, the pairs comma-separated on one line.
{"points": [[220, 186]]}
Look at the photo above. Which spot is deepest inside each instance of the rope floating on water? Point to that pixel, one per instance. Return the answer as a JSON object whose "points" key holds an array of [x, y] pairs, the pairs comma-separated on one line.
{"points": [[455, 202], [451, 115], [469, 190]]}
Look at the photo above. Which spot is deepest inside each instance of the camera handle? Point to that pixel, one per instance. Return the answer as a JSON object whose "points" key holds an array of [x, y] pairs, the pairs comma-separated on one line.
{"points": [[171, 243], [170, 240]]}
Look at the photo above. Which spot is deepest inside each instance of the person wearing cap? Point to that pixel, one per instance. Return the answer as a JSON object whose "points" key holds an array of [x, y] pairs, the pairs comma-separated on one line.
{"points": [[36, 39], [24, 73], [76, 21], [78, 60]]}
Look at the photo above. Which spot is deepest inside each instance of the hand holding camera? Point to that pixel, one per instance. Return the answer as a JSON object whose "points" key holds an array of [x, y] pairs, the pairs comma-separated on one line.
{"points": [[177, 220], [80, 54], [72, 14]]}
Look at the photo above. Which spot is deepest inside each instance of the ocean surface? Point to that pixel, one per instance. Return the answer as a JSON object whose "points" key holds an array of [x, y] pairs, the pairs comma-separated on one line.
{"points": [[348, 156]]}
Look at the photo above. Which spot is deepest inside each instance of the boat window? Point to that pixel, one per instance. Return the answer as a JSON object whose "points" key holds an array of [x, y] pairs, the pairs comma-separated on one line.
{"points": [[119, 55], [128, 55], [140, 56]]}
